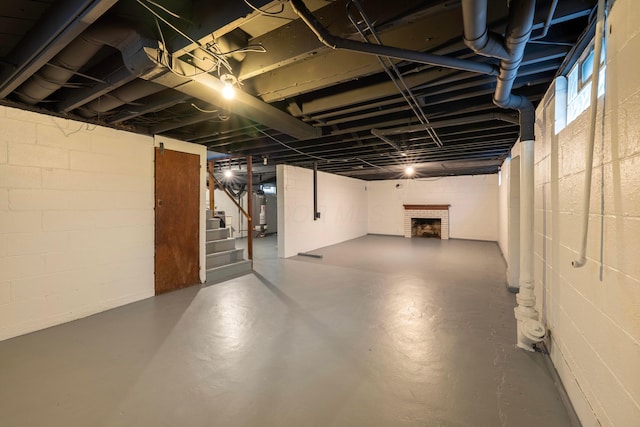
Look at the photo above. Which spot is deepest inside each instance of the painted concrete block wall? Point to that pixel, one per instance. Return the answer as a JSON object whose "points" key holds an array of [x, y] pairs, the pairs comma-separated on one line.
{"points": [[503, 209], [76, 220], [474, 204], [342, 203], [595, 323]]}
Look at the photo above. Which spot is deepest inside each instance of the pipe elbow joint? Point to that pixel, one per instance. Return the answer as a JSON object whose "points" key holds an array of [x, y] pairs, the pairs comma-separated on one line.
{"points": [[488, 44], [580, 262]]}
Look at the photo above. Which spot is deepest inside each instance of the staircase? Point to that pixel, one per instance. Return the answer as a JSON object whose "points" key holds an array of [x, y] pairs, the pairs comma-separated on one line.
{"points": [[224, 261]]}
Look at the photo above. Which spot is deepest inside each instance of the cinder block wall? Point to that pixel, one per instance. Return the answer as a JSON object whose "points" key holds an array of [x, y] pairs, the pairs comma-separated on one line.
{"points": [[342, 203], [76, 220], [594, 323]]}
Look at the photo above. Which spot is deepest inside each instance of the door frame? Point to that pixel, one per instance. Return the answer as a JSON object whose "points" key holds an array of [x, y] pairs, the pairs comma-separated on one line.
{"points": [[200, 150]]}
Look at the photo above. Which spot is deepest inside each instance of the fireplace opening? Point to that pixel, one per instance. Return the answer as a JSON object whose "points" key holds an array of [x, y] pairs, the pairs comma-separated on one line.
{"points": [[426, 227]]}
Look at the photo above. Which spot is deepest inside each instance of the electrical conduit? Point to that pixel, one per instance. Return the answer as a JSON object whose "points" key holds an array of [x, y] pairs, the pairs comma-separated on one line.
{"points": [[591, 138]]}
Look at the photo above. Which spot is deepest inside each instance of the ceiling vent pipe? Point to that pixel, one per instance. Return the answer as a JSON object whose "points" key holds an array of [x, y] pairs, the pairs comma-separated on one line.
{"points": [[335, 42], [126, 94], [479, 39], [63, 66]]}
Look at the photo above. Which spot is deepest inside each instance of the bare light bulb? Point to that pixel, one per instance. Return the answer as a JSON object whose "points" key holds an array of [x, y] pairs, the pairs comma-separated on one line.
{"points": [[228, 173], [409, 171], [228, 91]]}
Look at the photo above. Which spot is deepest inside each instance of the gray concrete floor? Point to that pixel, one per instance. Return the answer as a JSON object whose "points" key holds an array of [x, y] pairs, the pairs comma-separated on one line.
{"points": [[383, 331]]}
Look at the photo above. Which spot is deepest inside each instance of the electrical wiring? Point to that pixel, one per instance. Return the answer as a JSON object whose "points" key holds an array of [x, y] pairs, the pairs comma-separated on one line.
{"points": [[314, 156], [166, 63], [370, 164], [175, 15], [86, 76], [222, 60], [202, 110], [263, 12], [258, 48], [290, 147]]}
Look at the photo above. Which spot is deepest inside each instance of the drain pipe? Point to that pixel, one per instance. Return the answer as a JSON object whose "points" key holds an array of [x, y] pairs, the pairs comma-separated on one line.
{"points": [[477, 36], [479, 39], [591, 138], [316, 214], [334, 42]]}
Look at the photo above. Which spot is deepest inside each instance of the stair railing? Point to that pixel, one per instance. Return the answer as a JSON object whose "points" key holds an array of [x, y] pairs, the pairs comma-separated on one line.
{"points": [[215, 182]]}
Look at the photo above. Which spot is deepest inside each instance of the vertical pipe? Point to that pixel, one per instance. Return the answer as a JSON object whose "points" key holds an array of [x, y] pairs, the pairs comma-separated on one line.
{"points": [[529, 330], [526, 217], [250, 208], [212, 187], [591, 138], [547, 22], [315, 191]]}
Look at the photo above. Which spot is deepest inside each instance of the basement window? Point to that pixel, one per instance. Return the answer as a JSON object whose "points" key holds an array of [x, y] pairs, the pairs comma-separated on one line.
{"points": [[269, 189], [578, 88]]}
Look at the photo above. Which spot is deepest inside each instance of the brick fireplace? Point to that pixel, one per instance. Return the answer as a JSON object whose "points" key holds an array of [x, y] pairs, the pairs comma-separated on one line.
{"points": [[427, 211]]}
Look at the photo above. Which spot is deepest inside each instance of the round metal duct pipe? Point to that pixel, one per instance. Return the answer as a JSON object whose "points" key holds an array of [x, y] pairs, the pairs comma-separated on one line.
{"points": [[63, 66], [133, 91]]}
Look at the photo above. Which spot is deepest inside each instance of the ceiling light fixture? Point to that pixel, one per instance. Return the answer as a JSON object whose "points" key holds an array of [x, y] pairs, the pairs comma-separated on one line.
{"points": [[409, 171], [228, 89], [228, 173]]}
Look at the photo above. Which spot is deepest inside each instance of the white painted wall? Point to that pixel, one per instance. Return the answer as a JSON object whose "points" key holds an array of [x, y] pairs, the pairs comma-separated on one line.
{"points": [[594, 324], [503, 208], [509, 225], [474, 204], [342, 203], [76, 219]]}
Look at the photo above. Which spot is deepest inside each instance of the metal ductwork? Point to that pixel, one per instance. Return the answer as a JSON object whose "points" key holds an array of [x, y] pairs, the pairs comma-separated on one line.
{"points": [[63, 24], [201, 85], [133, 91], [518, 32], [334, 42], [63, 66]]}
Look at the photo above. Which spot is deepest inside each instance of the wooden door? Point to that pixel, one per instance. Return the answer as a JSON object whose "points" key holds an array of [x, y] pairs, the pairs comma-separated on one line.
{"points": [[177, 214]]}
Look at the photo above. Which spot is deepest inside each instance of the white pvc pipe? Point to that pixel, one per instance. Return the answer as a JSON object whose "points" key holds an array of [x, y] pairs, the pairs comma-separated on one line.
{"points": [[527, 188], [529, 330], [591, 138]]}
